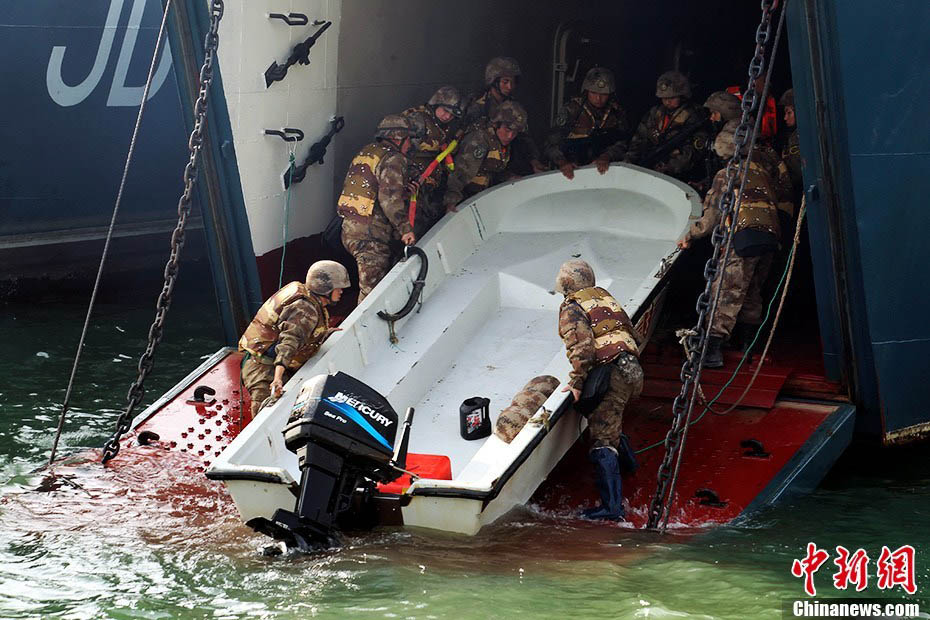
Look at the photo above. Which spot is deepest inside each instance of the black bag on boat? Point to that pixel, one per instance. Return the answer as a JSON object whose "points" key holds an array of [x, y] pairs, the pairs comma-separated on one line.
{"points": [[594, 389]]}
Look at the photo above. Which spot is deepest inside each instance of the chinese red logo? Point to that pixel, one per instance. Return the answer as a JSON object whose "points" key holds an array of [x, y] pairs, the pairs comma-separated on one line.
{"points": [[893, 568]]}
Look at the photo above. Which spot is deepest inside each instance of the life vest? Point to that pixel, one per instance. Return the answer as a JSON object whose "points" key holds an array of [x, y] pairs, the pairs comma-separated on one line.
{"points": [[495, 161], [613, 330], [769, 115], [360, 191], [264, 330]]}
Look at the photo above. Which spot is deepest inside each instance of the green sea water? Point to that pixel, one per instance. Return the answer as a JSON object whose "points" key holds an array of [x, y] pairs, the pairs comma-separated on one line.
{"points": [[164, 543]]}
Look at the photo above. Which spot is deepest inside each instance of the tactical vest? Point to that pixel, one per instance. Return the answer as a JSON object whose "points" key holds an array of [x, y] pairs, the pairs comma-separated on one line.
{"points": [[360, 191], [590, 119], [263, 331], [613, 330], [434, 143], [496, 160], [758, 208]]}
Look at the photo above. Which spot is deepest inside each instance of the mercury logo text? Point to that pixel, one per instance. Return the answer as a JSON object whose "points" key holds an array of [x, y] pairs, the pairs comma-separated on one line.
{"points": [[361, 407]]}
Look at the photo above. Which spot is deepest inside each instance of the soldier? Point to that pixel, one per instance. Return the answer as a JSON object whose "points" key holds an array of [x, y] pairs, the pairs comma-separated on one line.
{"points": [[766, 193], [288, 330], [372, 204], [791, 151], [501, 76], [671, 136], [592, 127], [598, 335], [482, 159], [437, 118], [722, 107]]}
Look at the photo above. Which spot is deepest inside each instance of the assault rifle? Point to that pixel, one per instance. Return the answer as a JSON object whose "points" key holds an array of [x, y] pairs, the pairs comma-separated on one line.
{"points": [[317, 151], [583, 151], [665, 149]]}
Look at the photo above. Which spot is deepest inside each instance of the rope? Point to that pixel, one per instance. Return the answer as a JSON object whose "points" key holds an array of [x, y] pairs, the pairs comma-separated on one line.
{"points": [[287, 207], [106, 245]]}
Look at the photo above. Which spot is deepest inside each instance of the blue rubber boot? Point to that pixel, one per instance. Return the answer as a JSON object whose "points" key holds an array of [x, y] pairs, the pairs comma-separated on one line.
{"points": [[609, 485]]}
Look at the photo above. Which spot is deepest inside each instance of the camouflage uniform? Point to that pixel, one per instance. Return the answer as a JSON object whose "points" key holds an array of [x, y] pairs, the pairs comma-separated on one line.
{"points": [[660, 126], [583, 132], [766, 195], [481, 160], [597, 331], [728, 106], [526, 403], [292, 324], [434, 138], [485, 105], [791, 151], [374, 209]]}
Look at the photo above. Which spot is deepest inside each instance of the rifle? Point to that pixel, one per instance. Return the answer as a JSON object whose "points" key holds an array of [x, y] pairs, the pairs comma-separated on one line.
{"points": [[665, 149], [300, 54], [583, 151], [317, 151]]}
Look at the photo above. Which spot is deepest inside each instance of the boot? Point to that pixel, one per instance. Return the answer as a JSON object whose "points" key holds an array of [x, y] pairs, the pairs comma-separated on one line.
{"points": [[714, 356], [607, 478], [746, 333]]}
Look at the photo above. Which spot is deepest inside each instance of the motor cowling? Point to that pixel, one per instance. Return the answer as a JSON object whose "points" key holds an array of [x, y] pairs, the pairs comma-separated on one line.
{"points": [[343, 433]]}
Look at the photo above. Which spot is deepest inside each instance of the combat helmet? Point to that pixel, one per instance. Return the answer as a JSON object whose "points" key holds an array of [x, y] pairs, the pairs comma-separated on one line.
{"points": [[787, 98], [573, 276], [724, 143], [394, 127], [448, 97], [727, 104], [501, 67], [673, 84], [324, 276], [599, 80], [510, 114]]}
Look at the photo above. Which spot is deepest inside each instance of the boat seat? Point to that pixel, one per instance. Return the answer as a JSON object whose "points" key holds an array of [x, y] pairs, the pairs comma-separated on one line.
{"points": [[432, 466]]}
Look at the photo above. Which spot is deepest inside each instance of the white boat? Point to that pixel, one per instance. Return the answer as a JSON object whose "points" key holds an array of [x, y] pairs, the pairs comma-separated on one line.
{"points": [[486, 325]]}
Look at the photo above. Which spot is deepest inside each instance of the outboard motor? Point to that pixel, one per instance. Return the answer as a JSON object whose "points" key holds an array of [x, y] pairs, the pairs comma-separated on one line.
{"points": [[343, 433]]}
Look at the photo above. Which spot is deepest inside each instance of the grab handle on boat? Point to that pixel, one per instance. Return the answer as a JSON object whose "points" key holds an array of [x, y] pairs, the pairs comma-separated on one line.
{"points": [[291, 19], [399, 460], [418, 285], [284, 134]]}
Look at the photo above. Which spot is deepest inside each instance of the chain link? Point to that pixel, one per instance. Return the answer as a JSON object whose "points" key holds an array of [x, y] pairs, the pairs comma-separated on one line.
{"points": [[195, 143], [707, 301]]}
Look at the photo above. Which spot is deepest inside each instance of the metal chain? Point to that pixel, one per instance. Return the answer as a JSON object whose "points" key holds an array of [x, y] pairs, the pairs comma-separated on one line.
{"points": [[706, 306], [195, 144]]}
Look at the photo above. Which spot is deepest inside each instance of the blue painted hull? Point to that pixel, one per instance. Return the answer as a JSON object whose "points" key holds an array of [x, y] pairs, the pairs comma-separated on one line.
{"points": [[73, 78]]}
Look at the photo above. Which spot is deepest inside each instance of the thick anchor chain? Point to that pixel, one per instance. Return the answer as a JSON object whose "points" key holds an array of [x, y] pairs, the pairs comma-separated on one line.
{"points": [[706, 305], [195, 144]]}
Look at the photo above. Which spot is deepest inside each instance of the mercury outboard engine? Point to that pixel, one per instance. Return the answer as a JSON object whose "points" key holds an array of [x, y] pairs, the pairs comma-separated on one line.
{"points": [[343, 433]]}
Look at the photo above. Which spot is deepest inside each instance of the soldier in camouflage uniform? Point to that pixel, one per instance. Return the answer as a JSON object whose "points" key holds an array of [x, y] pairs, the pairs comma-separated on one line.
{"points": [[501, 76], [526, 403], [668, 122], [437, 118], [373, 203], [288, 330], [722, 107], [589, 128], [765, 202], [597, 332], [482, 159], [791, 151]]}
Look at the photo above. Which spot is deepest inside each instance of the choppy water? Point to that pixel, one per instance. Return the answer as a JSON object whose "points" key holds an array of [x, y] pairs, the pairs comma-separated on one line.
{"points": [[146, 543]]}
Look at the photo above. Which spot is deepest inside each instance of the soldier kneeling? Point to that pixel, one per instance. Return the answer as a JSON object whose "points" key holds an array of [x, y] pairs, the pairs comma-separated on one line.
{"points": [[601, 344], [288, 330]]}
